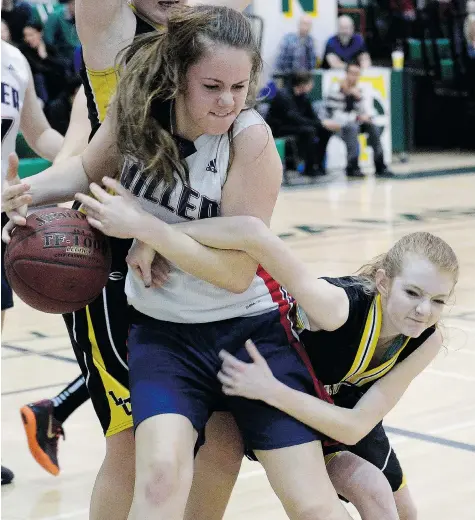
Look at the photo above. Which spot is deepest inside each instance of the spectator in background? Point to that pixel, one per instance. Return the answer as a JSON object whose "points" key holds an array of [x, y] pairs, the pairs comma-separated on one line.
{"points": [[347, 113], [469, 28], [297, 51], [346, 47], [58, 111], [60, 31], [48, 68], [6, 36], [291, 114], [17, 14]]}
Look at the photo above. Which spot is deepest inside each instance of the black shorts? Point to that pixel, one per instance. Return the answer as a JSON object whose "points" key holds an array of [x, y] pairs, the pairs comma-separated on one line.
{"points": [[375, 447], [7, 293], [99, 337]]}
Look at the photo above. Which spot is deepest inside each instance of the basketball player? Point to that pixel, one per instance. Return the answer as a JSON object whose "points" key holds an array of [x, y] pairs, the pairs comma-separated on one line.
{"points": [[103, 33], [378, 325], [203, 70], [21, 110]]}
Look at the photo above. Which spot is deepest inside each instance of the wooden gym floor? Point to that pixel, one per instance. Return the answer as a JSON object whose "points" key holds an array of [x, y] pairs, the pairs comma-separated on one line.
{"points": [[335, 227]]}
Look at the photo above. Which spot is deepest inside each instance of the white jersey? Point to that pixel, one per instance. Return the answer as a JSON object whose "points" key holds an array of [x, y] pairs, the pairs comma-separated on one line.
{"points": [[185, 298], [15, 78]]}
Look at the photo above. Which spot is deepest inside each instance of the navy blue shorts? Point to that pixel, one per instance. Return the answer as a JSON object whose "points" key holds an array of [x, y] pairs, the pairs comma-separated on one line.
{"points": [[173, 369], [7, 293]]}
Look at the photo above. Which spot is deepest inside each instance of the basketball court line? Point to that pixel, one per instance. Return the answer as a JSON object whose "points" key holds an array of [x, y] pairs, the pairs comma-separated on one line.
{"points": [[46, 354], [33, 388]]}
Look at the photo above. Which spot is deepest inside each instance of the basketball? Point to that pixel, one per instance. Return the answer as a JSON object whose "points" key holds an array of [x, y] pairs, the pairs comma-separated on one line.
{"points": [[57, 263]]}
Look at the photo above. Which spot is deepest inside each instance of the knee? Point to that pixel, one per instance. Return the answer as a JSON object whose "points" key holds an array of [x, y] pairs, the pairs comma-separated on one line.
{"points": [[162, 479]]}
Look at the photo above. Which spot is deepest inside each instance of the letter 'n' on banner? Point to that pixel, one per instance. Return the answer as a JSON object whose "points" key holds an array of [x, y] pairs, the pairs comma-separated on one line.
{"points": [[309, 6]]}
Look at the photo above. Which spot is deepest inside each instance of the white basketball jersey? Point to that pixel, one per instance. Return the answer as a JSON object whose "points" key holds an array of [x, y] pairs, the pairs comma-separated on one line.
{"points": [[185, 298], [14, 82]]}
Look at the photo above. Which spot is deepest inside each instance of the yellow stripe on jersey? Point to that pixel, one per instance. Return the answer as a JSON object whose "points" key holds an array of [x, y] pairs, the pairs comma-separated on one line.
{"points": [[377, 372], [368, 341], [103, 84], [119, 420]]}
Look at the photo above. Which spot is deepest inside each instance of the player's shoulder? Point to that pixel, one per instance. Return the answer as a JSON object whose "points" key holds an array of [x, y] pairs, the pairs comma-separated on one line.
{"points": [[14, 61], [11, 53], [246, 119]]}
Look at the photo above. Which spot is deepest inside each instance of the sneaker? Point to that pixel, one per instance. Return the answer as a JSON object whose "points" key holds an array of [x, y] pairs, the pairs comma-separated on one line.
{"points": [[355, 173], [384, 172], [42, 432], [7, 475]]}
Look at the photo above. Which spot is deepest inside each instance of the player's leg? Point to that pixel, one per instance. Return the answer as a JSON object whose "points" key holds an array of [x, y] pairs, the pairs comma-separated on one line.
{"points": [[376, 448], [98, 334], [362, 484], [289, 450], [217, 467], [173, 389], [7, 303], [405, 504], [117, 472], [43, 422]]}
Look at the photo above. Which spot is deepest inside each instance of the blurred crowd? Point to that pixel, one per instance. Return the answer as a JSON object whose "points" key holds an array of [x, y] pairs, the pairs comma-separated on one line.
{"points": [[46, 35]]}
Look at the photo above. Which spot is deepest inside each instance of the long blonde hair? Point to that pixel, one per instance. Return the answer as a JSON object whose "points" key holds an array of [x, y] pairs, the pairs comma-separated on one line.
{"points": [[423, 244], [153, 69]]}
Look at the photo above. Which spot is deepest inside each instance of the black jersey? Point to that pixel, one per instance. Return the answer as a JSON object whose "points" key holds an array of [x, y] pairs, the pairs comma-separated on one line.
{"points": [[344, 355]]}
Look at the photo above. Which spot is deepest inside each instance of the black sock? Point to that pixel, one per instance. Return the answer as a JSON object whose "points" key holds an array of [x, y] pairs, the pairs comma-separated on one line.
{"points": [[69, 399]]}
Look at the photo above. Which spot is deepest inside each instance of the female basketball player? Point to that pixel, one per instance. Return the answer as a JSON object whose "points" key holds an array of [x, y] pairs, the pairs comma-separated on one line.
{"points": [[194, 80], [378, 325], [21, 110]]}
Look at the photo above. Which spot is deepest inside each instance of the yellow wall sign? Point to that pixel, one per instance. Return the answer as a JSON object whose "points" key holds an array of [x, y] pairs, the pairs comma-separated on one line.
{"points": [[308, 6]]}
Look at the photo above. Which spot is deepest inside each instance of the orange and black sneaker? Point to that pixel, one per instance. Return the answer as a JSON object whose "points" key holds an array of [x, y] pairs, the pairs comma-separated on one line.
{"points": [[42, 432]]}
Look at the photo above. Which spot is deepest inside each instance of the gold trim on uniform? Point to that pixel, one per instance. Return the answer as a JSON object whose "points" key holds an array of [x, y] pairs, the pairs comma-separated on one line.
{"points": [[103, 84], [115, 392], [368, 341]]}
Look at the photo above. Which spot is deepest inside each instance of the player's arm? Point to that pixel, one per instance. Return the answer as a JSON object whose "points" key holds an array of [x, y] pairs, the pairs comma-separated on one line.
{"points": [[255, 381], [77, 135], [62, 181], [326, 305], [104, 29], [251, 188], [34, 126]]}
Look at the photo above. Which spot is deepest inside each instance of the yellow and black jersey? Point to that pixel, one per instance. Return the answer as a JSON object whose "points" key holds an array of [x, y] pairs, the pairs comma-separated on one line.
{"points": [[100, 85], [344, 355]]}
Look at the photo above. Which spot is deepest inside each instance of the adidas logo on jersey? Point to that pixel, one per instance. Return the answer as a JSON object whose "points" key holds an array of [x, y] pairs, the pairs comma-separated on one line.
{"points": [[11, 68], [212, 166]]}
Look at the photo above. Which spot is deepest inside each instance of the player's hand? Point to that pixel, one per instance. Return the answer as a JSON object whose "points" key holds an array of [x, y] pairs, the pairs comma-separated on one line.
{"points": [[15, 198], [117, 215], [251, 380], [149, 265], [7, 230]]}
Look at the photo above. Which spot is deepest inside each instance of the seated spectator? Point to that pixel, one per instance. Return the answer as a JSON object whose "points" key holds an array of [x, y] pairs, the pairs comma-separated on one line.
{"points": [[347, 114], [6, 36], [60, 30], [291, 114], [469, 28], [297, 52], [58, 111], [346, 47], [17, 14], [48, 68]]}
